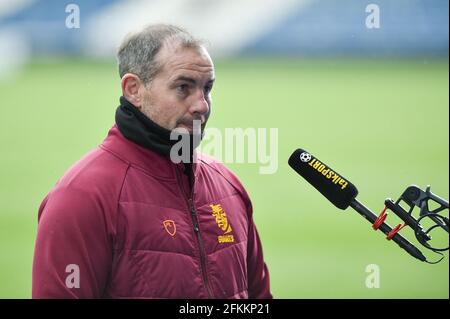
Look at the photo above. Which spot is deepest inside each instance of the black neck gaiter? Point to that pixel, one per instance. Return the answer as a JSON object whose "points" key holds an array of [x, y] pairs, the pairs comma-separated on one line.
{"points": [[138, 128]]}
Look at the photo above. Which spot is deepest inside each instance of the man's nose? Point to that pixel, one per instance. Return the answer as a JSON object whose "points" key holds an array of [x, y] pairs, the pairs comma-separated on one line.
{"points": [[200, 105]]}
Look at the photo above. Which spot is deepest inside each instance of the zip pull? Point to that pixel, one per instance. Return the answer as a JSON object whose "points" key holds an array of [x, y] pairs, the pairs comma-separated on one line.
{"points": [[194, 216], [196, 229]]}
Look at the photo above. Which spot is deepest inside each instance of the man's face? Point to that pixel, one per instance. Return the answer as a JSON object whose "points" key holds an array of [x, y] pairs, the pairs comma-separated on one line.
{"points": [[181, 91]]}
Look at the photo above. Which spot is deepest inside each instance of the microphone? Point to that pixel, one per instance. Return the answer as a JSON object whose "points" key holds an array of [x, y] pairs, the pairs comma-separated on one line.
{"points": [[341, 193], [327, 181]]}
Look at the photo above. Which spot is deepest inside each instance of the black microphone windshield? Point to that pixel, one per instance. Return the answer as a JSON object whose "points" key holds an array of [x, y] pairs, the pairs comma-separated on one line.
{"points": [[327, 181]]}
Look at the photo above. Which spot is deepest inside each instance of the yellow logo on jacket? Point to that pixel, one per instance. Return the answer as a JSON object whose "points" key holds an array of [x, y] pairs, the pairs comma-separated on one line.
{"points": [[222, 222]]}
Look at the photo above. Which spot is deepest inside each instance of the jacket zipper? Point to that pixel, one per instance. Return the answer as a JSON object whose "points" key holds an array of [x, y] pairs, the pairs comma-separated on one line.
{"points": [[194, 217]]}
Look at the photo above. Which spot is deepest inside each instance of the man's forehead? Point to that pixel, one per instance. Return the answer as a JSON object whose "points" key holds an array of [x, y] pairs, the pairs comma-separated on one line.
{"points": [[186, 60]]}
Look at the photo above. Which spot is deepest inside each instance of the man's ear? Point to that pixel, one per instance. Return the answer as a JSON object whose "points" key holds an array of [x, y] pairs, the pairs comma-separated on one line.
{"points": [[130, 89]]}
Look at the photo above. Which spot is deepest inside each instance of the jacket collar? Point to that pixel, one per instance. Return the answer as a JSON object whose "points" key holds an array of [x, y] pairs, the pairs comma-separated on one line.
{"points": [[140, 129], [155, 164]]}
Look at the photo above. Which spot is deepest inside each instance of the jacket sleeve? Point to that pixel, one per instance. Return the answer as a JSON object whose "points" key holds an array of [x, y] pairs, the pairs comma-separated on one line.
{"points": [[258, 273], [73, 250]]}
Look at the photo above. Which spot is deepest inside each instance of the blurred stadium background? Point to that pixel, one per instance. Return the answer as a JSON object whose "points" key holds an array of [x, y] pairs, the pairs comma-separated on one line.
{"points": [[372, 103]]}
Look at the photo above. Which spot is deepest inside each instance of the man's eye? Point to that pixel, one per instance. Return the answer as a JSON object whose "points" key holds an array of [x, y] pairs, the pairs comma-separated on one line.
{"points": [[208, 88], [183, 88]]}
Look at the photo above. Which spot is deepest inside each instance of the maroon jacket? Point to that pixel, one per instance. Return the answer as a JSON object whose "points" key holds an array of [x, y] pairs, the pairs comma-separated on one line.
{"points": [[125, 221]]}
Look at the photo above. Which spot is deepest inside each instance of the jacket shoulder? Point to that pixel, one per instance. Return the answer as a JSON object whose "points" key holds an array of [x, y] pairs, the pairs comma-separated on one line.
{"points": [[97, 170], [97, 177]]}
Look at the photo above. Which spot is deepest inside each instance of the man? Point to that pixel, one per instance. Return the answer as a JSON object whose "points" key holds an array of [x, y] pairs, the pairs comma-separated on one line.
{"points": [[128, 221]]}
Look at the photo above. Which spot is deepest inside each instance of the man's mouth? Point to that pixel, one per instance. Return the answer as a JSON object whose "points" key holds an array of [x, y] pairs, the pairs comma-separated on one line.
{"points": [[192, 127], [187, 127]]}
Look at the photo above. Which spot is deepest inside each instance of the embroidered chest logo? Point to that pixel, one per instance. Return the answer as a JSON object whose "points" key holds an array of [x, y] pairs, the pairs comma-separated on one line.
{"points": [[222, 222], [170, 227]]}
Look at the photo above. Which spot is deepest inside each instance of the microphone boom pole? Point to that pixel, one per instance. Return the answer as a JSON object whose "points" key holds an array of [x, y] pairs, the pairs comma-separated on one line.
{"points": [[386, 229]]}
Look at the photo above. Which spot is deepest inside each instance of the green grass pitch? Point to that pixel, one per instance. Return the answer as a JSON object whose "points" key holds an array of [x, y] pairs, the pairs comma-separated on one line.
{"points": [[383, 124]]}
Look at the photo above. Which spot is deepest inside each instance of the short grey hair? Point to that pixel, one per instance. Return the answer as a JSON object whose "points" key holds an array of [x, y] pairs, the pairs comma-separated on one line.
{"points": [[138, 50]]}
